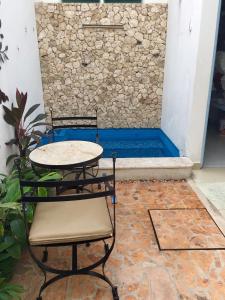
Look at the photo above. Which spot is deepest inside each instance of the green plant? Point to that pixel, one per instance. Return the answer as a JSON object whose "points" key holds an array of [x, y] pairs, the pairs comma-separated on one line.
{"points": [[26, 134], [12, 228], [12, 237], [10, 291]]}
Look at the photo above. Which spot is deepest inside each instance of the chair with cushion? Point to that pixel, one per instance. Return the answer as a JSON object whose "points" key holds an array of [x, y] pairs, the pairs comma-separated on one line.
{"points": [[70, 220]]}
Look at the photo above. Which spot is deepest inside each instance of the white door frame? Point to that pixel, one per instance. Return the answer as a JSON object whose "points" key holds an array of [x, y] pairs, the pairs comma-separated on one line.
{"points": [[210, 85]]}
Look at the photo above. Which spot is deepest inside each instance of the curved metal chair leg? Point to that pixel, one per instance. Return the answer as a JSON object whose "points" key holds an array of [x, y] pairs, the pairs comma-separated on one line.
{"points": [[44, 283], [91, 273], [103, 268], [50, 281], [106, 279], [115, 293], [106, 249]]}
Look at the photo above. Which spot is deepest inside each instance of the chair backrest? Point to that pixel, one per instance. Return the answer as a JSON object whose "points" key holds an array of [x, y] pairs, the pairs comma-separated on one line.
{"points": [[81, 184], [74, 122], [77, 121], [33, 197]]}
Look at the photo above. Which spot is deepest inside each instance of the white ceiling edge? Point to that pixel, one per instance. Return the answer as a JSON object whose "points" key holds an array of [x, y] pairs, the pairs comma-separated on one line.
{"points": [[143, 1]]}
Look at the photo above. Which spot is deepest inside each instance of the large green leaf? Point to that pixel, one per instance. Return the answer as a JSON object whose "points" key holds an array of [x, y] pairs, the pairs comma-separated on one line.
{"points": [[8, 242], [14, 294], [13, 191], [51, 176], [9, 117], [42, 192], [10, 291], [4, 296], [18, 229], [28, 174], [12, 142], [30, 212], [17, 113], [4, 256], [12, 175], [30, 111], [38, 118], [39, 124], [7, 267], [14, 251], [10, 158], [10, 206]]}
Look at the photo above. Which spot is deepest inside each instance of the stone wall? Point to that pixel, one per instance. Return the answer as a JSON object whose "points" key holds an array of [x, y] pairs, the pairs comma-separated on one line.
{"points": [[119, 71]]}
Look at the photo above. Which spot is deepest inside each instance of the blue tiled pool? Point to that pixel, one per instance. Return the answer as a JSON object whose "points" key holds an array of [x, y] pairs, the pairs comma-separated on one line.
{"points": [[126, 142]]}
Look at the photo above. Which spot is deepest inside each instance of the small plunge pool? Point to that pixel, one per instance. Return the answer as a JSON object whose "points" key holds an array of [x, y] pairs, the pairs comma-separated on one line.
{"points": [[126, 142]]}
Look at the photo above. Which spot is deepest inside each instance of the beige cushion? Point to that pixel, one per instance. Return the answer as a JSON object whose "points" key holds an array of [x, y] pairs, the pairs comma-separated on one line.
{"points": [[72, 221]]}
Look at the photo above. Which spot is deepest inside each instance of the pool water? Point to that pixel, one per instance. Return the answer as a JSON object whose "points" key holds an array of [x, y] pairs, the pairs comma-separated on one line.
{"points": [[126, 142]]}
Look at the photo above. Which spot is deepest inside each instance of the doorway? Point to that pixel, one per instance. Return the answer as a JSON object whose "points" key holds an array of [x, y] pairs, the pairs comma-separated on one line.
{"points": [[215, 138]]}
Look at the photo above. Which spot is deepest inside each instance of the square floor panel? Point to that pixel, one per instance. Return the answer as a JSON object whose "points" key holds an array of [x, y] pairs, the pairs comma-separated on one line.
{"points": [[186, 229]]}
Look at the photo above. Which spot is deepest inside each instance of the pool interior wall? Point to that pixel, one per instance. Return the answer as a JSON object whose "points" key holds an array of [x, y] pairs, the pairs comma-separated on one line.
{"points": [[126, 142]]}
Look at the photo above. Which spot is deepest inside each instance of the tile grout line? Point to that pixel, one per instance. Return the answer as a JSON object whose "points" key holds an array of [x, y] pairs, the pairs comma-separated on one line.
{"points": [[184, 249], [212, 210]]}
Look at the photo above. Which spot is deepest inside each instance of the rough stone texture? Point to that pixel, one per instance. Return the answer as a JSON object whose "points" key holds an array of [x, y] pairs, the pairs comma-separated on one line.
{"points": [[117, 71]]}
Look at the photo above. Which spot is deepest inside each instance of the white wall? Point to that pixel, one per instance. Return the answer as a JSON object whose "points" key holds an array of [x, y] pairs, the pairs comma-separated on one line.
{"points": [[189, 59], [197, 126], [22, 71]]}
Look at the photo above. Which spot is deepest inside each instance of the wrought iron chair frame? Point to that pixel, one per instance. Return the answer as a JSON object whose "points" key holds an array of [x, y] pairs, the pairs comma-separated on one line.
{"points": [[109, 183], [93, 120]]}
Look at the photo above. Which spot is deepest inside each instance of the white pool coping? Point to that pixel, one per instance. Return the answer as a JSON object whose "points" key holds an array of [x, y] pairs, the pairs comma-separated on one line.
{"points": [[163, 168]]}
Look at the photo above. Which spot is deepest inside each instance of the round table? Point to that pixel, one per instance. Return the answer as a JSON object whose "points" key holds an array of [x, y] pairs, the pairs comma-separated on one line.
{"points": [[66, 155]]}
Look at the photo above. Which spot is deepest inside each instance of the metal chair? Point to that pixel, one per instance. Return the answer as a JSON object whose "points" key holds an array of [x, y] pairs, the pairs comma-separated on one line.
{"points": [[76, 122], [58, 122], [71, 220]]}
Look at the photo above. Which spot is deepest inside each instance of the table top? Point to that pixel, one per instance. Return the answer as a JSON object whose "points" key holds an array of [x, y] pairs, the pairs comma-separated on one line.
{"points": [[66, 154]]}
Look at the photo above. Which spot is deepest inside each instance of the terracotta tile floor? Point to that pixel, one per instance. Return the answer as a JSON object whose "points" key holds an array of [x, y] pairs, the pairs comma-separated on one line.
{"points": [[136, 266], [186, 229]]}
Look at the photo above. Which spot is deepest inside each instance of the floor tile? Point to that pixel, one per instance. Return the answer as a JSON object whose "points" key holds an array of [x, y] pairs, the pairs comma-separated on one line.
{"points": [[186, 228], [136, 265]]}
